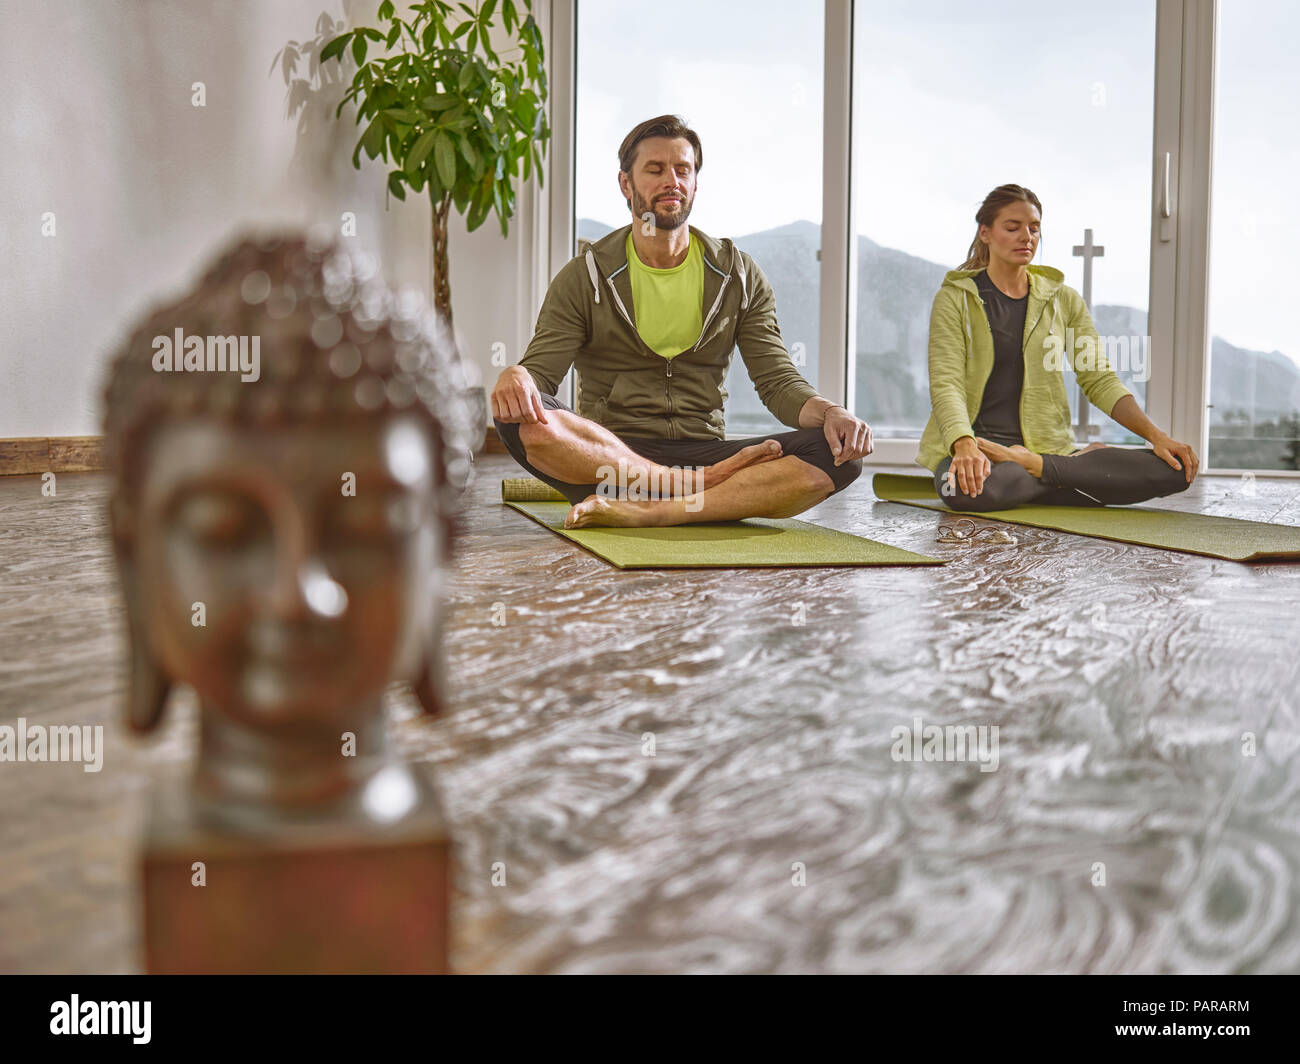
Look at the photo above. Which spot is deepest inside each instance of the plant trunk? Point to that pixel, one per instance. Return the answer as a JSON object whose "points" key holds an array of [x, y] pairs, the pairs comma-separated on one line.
{"points": [[441, 266]]}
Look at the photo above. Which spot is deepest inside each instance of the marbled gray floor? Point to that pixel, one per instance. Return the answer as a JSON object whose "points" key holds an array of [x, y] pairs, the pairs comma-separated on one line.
{"points": [[1121, 678]]}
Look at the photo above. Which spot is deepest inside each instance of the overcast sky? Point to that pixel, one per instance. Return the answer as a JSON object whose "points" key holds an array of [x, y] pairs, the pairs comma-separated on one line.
{"points": [[951, 99]]}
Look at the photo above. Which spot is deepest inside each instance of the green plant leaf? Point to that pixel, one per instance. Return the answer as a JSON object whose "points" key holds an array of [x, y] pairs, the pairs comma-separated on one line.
{"points": [[385, 10], [335, 47], [467, 150], [395, 185], [373, 138], [393, 34], [403, 114], [359, 48], [485, 12], [444, 155], [466, 75], [523, 111], [508, 16], [479, 205], [461, 30], [473, 38], [477, 213], [420, 150], [350, 95], [440, 102]]}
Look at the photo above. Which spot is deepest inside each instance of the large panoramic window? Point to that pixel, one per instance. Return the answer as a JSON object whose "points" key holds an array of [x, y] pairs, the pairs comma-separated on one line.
{"points": [[749, 82], [1254, 392], [952, 99]]}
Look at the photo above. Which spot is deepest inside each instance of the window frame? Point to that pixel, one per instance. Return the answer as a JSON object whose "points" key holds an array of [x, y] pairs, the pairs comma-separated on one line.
{"points": [[1178, 304]]}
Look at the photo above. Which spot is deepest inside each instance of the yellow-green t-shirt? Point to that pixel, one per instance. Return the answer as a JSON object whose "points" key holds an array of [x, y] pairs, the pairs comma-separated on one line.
{"points": [[669, 304]]}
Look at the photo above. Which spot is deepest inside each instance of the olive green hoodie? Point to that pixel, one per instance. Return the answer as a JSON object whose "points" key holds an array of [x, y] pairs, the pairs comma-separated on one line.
{"points": [[1057, 324], [587, 321]]}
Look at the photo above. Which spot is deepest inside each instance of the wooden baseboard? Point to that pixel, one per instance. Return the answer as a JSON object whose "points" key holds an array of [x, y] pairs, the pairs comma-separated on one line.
{"points": [[83, 454], [51, 454]]}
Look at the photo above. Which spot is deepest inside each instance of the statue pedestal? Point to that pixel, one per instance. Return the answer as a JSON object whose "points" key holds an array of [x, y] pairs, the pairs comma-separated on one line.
{"points": [[327, 897]]}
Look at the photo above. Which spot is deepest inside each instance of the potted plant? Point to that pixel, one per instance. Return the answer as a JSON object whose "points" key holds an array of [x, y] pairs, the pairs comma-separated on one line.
{"points": [[454, 123]]}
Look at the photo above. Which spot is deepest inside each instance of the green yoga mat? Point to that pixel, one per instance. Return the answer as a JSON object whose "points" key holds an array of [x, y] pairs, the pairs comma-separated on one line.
{"points": [[1217, 537], [755, 541]]}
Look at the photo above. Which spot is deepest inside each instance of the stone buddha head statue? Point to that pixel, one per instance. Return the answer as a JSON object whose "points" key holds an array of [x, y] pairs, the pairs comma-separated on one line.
{"points": [[288, 444]]}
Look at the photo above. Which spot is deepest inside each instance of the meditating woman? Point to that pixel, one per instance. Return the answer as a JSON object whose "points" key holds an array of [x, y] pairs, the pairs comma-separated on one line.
{"points": [[999, 431]]}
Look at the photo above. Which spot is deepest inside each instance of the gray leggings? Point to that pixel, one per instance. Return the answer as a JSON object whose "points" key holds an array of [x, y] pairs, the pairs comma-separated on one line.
{"points": [[1109, 476]]}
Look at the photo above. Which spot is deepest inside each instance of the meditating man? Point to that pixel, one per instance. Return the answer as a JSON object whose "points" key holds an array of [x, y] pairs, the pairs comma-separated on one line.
{"points": [[651, 315]]}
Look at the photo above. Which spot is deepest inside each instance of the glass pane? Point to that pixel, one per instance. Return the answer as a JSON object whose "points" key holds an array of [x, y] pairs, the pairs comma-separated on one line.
{"points": [[1254, 357], [952, 99], [751, 87]]}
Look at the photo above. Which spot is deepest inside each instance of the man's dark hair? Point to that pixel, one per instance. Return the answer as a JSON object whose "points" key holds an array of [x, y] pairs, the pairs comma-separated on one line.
{"points": [[671, 126]]}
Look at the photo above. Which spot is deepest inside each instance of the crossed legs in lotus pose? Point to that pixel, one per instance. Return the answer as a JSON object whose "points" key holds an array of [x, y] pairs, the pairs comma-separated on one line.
{"points": [[1097, 475]]}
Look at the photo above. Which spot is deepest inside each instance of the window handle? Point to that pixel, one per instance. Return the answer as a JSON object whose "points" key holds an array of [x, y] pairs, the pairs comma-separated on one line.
{"points": [[1166, 209], [1166, 202]]}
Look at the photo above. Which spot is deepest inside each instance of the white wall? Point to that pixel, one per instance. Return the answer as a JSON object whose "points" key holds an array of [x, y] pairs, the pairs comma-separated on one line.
{"points": [[97, 126]]}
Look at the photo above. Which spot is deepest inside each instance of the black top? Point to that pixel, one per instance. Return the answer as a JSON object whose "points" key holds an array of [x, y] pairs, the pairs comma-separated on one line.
{"points": [[999, 416]]}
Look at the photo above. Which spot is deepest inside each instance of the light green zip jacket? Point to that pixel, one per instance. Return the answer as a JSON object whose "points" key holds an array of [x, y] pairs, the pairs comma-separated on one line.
{"points": [[961, 360], [587, 321]]}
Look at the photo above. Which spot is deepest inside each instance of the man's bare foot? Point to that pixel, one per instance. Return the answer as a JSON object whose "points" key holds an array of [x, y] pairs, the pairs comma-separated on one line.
{"points": [[596, 511], [747, 456], [1032, 463]]}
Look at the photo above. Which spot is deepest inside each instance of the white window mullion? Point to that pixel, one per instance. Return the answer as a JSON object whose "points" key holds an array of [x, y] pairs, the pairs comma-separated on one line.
{"points": [[1165, 165], [560, 159], [838, 251], [1180, 243]]}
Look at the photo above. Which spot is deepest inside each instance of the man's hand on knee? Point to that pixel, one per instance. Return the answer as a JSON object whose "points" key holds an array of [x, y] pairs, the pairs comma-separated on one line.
{"points": [[848, 437], [516, 398]]}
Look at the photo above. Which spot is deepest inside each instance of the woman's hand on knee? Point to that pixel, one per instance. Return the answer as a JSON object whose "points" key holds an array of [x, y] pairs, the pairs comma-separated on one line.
{"points": [[1177, 455], [970, 466]]}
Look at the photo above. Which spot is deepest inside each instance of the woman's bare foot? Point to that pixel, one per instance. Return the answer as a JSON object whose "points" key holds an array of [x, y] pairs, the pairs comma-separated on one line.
{"points": [[596, 511], [1032, 463]]}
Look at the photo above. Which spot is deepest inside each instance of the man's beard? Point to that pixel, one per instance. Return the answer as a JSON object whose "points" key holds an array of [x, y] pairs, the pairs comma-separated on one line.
{"points": [[665, 217]]}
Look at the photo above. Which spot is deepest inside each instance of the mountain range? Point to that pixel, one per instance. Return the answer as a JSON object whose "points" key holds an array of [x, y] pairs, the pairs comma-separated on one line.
{"points": [[894, 294]]}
